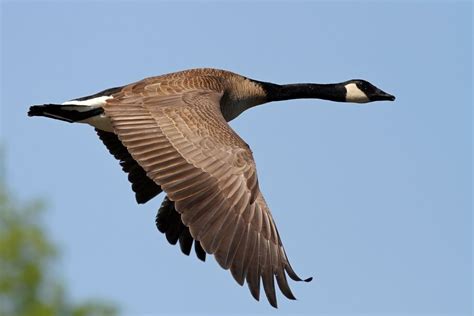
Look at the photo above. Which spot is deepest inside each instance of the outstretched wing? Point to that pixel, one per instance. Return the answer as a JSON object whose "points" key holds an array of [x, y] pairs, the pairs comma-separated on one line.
{"points": [[184, 144]]}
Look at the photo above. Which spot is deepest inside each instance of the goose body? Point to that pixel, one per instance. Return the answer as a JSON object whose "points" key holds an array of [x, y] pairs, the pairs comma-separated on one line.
{"points": [[170, 134]]}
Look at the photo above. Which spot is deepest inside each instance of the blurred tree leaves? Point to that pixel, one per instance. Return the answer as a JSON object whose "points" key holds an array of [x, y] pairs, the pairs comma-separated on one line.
{"points": [[27, 257]]}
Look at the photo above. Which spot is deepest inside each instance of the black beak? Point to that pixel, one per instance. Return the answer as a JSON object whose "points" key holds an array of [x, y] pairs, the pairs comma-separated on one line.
{"points": [[383, 96]]}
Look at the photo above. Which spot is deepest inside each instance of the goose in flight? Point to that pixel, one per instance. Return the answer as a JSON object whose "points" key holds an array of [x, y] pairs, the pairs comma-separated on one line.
{"points": [[170, 134]]}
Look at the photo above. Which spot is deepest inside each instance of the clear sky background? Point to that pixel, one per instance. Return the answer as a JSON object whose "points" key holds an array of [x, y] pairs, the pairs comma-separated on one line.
{"points": [[373, 200]]}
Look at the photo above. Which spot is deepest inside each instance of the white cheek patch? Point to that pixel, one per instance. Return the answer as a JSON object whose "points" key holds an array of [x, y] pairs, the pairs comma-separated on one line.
{"points": [[89, 102], [354, 94]]}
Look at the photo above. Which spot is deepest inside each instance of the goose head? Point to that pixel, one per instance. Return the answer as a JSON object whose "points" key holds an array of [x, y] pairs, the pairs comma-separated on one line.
{"points": [[362, 91], [351, 91]]}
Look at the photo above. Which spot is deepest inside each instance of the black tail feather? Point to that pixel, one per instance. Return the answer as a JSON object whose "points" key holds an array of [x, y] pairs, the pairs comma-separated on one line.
{"points": [[68, 113]]}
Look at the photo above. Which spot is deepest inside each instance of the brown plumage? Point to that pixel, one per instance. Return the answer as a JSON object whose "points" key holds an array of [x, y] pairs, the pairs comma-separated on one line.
{"points": [[174, 128], [170, 133]]}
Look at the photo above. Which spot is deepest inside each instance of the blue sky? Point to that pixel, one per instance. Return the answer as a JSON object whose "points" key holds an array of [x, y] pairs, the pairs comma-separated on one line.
{"points": [[373, 200]]}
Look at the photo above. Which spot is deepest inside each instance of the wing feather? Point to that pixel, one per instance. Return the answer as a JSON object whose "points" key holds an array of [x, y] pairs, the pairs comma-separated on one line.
{"points": [[182, 141], [145, 188]]}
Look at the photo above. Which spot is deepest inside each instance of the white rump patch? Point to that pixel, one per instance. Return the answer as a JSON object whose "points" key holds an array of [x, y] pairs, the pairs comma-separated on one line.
{"points": [[354, 94], [90, 102], [100, 121]]}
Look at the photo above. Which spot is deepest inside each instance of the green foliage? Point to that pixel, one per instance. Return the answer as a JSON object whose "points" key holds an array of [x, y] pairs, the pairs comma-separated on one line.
{"points": [[27, 286]]}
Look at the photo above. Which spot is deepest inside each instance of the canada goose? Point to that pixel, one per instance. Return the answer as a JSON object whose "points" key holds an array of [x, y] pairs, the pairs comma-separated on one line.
{"points": [[170, 133]]}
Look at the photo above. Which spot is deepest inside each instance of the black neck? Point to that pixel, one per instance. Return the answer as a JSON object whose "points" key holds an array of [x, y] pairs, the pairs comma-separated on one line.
{"points": [[332, 91]]}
